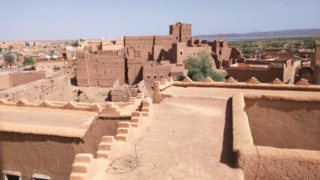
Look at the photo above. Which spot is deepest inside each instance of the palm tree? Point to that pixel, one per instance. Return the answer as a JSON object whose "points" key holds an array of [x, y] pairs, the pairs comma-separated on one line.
{"points": [[9, 59]]}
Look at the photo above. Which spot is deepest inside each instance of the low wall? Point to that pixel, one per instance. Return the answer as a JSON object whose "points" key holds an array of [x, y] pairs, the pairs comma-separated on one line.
{"points": [[19, 78], [55, 89], [85, 166], [252, 85], [264, 162], [285, 123], [159, 86], [9, 80], [4, 81], [82, 156]]}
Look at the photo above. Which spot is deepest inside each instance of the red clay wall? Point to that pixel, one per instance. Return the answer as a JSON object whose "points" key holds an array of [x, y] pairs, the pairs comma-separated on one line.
{"points": [[264, 75], [5, 81], [284, 124], [20, 78], [100, 69], [51, 155], [54, 89]]}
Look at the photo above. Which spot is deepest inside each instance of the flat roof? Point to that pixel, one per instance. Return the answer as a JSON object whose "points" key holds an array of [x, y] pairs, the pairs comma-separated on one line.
{"points": [[45, 121]]}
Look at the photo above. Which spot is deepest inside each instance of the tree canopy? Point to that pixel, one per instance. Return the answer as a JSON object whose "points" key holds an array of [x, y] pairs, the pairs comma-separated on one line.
{"points": [[9, 59], [28, 61], [75, 44], [200, 68]]}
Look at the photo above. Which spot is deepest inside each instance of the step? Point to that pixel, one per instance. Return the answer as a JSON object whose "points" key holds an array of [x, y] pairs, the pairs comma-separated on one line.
{"points": [[107, 139], [135, 125], [136, 114], [83, 158], [145, 109], [135, 120], [78, 176], [105, 146], [122, 137], [124, 124], [122, 131], [80, 167], [145, 114], [103, 154]]}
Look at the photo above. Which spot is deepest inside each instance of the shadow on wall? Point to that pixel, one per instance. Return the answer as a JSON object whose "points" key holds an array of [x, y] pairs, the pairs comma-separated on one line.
{"points": [[227, 155]]}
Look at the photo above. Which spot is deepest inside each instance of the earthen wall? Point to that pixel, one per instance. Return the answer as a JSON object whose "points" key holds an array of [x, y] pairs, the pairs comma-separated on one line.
{"points": [[102, 68], [57, 89], [4, 81], [264, 75]]}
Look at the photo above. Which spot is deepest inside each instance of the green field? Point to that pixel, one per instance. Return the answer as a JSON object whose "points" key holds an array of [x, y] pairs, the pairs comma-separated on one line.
{"points": [[252, 45]]}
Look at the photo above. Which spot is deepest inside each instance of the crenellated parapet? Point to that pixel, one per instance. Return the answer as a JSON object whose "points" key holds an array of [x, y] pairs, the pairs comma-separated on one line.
{"points": [[85, 166]]}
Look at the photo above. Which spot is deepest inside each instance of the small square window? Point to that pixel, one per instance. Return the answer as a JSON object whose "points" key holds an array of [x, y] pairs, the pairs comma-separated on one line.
{"points": [[155, 77], [11, 175], [161, 76], [148, 77]]}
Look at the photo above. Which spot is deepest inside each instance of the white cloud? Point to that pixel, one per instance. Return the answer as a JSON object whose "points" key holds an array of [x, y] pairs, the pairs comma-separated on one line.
{"points": [[279, 6]]}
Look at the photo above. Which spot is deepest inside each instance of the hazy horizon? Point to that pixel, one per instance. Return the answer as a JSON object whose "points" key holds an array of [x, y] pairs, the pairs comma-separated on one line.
{"points": [[47, 20]]}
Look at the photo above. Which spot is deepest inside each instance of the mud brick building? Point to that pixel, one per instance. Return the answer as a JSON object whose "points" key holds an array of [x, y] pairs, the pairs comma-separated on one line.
{"points": [[266, 70], [147, 56]]}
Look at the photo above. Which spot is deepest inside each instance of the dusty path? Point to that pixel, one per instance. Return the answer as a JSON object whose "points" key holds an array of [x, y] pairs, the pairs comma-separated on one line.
{"points": [[189, 138]]}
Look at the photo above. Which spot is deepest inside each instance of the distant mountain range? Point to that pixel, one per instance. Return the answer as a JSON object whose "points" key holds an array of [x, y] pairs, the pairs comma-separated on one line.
{"points": [[282, 33]]}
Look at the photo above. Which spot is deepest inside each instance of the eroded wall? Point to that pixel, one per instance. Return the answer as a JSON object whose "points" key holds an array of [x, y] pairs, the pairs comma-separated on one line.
{"points": [[54, 89], [264, 75], [100, 68], [284, 124]]}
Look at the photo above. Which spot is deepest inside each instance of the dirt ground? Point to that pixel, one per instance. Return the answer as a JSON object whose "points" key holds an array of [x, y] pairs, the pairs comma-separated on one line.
{"points": [[190, 137], [94, 94]]}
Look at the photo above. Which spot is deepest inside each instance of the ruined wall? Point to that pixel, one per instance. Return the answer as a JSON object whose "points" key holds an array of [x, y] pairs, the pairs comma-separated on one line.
{"points": [[101, 68], [139, 52], [49, 65], [123, 94], [57, 89], [112, 44], [19, 78], [273, 52], [221, 51], [181, 32], [155, 73], [264, 75]]}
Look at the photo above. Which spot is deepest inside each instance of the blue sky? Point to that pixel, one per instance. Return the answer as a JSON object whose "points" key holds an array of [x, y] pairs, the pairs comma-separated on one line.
{"points": [[74, 19]]}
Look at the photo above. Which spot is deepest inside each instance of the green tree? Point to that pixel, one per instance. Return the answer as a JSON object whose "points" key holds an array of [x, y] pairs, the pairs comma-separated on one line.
{"points": [[200, 68], [82, 40], [10, 48], [52, 53], [9, 59], [75, 44], [28, 61], [0, 50], [248, 50]]}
